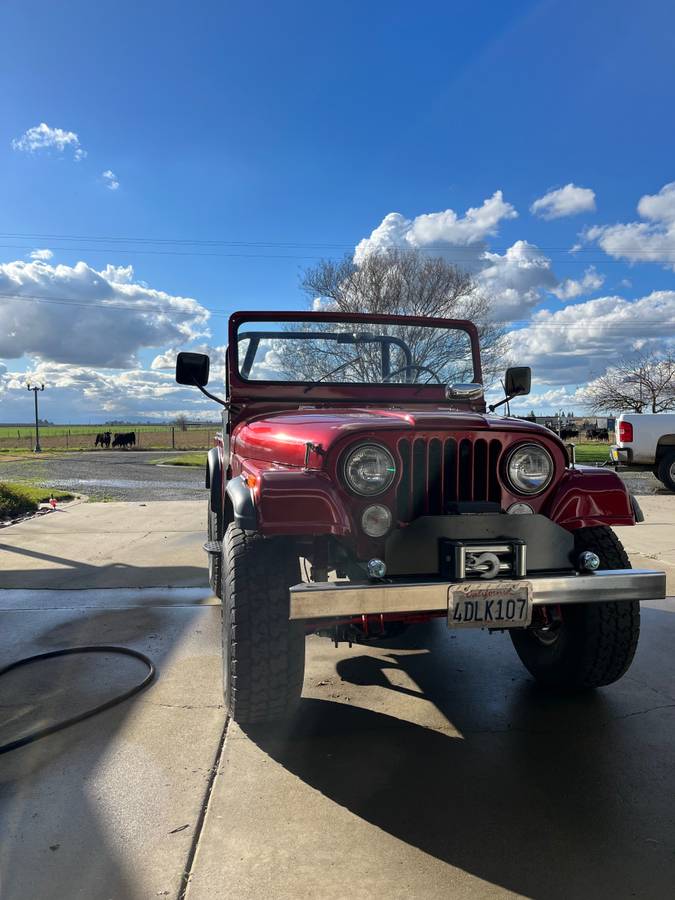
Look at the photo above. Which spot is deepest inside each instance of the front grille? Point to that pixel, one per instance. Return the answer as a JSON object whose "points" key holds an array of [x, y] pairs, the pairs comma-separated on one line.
{"points": [[436, 472]]}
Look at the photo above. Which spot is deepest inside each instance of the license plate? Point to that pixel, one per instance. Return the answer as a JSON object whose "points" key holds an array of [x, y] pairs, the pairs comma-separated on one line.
{"points": [[490, 605], [614, 454]]}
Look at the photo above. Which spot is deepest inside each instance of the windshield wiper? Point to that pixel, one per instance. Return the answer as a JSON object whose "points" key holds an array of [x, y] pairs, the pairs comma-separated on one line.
{"points": [[350, 362]]}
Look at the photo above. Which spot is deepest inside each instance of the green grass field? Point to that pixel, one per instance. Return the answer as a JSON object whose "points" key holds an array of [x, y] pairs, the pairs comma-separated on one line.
{"points": [[18, 499], [592, 453], [185, 459], [82, 437], [27, 431]]}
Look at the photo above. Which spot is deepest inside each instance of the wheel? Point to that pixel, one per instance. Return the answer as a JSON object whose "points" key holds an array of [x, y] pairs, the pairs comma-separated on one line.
{"points": [[263, 652], [594, 644], [215, 533], [665, 471]]}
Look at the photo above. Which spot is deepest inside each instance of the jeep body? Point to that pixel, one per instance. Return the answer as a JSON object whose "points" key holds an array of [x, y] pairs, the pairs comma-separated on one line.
{"points": [[360, 445]]}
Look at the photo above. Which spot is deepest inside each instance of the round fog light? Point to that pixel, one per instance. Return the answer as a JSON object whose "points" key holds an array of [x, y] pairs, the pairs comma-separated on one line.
{"points": [[520, 509], [589, 561], [376, 520]]}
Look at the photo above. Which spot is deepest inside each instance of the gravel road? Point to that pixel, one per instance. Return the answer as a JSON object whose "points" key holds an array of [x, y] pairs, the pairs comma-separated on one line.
{"points": [[128, 475], [111, 475]]}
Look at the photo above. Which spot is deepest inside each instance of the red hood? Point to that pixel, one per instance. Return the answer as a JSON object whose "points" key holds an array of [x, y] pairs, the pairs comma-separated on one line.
{"points": [[282, 437]]}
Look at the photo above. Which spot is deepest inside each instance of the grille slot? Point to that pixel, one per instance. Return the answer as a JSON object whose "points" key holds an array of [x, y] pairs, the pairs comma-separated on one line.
{"points": [[436, 472]]}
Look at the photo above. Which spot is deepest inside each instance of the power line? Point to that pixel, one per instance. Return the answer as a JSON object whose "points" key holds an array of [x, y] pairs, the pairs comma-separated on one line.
{"points": [[286, 245], [220, 312], [280, 256]]}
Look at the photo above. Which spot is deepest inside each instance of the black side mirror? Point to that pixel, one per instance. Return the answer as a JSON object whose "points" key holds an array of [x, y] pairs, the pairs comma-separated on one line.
{"points": [[518, 381], [192, 368]]}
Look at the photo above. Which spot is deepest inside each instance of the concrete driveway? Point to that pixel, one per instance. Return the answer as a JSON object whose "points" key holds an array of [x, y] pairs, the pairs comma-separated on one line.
{"points": [[427, 767]]}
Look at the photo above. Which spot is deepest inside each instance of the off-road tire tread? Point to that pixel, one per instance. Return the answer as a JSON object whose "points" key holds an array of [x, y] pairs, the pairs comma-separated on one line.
{"points": [[266, 651], [602, 637], [663, 470]]}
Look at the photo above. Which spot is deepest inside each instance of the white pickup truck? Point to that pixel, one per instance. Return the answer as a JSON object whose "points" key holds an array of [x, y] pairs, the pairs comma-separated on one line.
{"points": [[647, 441]]}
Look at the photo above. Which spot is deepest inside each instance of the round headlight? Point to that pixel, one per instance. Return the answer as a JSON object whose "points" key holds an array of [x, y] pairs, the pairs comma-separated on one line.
{"points": [[376, 521], [529, 468], [369, 469]]}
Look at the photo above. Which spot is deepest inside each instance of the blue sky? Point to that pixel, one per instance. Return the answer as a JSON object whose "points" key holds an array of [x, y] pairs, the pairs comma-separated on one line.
{"points": [[307, 124]]}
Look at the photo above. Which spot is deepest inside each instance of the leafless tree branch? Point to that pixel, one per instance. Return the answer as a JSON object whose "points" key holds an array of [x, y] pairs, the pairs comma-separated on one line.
{"points": [[643, 383]]}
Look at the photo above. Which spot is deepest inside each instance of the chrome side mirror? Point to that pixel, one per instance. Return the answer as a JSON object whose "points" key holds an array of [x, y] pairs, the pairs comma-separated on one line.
{"points": [[469, 391]]}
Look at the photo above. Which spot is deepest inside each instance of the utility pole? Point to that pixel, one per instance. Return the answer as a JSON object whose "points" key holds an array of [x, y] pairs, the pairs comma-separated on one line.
{"points": [[35, 389]]}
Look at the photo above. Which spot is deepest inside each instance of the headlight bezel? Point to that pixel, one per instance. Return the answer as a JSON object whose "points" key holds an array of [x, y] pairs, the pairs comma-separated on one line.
{"points": [[520, 491], [344, 462]]}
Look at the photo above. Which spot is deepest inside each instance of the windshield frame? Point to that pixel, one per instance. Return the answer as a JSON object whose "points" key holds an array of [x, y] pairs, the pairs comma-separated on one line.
{"points": [[341, 392]]}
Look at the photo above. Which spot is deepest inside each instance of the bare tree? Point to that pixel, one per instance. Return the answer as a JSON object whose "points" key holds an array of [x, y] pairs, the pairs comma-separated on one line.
{"points": [[181, 421], [636, 384], [404, 282]]}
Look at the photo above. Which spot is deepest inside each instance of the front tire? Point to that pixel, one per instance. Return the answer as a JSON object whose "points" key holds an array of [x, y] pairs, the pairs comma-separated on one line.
{"points": [[263, 652], [595, 643], [666, 470]]}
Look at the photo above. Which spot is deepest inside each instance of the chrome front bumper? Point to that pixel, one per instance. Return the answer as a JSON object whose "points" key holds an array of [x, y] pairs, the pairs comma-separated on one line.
{"points": [[337, 599]]}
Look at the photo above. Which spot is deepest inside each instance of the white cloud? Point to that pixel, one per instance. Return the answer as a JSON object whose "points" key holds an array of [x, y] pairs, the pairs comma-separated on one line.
{"points": [[73, 393], [110, 179], [565, 201], [569, 288], [440, 230], [322, 304], [167, 360], [118, 274], [42, 137], [575, 344], [515, 280], [650, 241], [44, 255], [80, 316]]}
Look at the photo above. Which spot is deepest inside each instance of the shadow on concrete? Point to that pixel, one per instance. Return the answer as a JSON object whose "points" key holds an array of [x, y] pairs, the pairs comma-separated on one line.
{"points": [[55, 837], [553, 796], [72, 573]]}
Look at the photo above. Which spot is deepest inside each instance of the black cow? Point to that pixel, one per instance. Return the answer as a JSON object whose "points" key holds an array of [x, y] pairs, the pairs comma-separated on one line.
{"points": [[597, 434], [103, 439], [566, 433], [124, 439]]}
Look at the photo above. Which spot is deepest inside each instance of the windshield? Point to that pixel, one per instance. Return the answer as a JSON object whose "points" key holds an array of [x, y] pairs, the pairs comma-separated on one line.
{"points": [[345, 352]]}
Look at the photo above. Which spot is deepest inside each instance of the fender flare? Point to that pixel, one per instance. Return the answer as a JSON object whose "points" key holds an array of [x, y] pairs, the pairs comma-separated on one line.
{"points": [[214, 479], [243, 509]]}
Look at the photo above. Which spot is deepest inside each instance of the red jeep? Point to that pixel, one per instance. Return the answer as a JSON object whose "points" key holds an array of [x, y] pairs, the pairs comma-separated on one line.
{"points": [[356, 450]]}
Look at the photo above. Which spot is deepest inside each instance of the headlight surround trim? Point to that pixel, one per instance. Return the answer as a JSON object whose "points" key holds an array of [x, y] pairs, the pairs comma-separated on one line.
{"points": [[511, 481], [379, 489]]}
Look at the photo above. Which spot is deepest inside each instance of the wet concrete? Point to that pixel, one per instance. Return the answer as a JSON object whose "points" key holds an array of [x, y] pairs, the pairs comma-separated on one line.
{"points": [[110, 475], [108, 808]]}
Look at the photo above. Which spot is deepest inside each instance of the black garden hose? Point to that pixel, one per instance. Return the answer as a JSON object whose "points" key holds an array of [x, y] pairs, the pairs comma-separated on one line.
{"points": [[66, 723]]}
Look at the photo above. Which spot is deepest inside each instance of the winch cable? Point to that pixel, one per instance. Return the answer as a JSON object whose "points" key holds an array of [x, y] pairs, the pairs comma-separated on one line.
{"points": [[88, 713]]}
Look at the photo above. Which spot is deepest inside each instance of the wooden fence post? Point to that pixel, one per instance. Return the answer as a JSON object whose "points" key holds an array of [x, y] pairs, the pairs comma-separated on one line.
{"points": [[173, 438]]}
